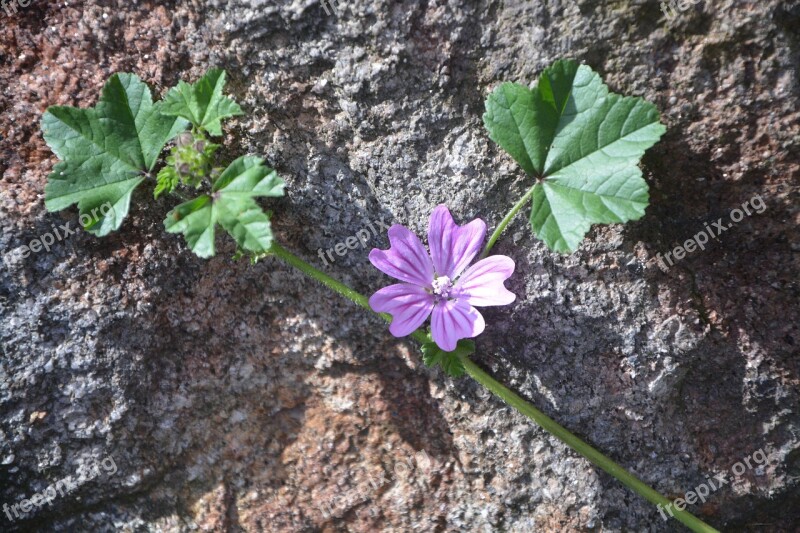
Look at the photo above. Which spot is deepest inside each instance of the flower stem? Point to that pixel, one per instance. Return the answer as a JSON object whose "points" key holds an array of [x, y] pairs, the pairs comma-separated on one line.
{"points": [[320, 276], [511, 398], [590, 453], [336, 286], [506, 220]]}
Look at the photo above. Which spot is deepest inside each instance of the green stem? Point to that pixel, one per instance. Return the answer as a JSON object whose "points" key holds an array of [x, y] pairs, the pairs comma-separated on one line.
{"points": [[310, 271], [506, 220], [510, 397], [336, 286], [590, 453]]}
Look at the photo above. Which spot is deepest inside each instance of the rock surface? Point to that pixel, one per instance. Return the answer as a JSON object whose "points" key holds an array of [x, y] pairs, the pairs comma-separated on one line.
{"points": [[231, 397]]}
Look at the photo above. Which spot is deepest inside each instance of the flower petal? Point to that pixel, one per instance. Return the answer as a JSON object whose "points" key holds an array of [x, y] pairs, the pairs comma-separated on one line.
{"points": [[453, 246], [453, 320], [482, 283], [406, 259], [408, 304]]}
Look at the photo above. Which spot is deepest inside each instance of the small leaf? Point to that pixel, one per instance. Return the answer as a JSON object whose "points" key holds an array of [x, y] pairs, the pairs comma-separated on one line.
{"points": [[582, 142], [432, 355], [202, 102], [232, 206], [167, 181], [106, 149]]}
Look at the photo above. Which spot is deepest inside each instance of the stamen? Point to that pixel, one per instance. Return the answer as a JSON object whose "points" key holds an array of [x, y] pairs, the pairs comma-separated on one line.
{"points": [[442, 286]]}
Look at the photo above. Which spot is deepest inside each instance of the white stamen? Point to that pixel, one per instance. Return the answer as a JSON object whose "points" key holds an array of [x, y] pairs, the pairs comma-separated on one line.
{"points": [[442, 286]]}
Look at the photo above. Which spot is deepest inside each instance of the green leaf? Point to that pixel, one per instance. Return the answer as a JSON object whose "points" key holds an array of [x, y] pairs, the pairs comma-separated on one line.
{"points": [[202, 102], [432, 355], [167, 181], [232, 206], [105, 150], [582, 143]]}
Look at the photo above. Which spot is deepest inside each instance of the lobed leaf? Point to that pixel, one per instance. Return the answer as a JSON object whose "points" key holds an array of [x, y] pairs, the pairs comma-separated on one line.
{"points": [[582, 143], [202, 102], [106, 150]]}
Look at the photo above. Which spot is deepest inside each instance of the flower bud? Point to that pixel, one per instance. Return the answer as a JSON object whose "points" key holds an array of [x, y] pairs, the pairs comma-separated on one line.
{"points": [[185, 139]]}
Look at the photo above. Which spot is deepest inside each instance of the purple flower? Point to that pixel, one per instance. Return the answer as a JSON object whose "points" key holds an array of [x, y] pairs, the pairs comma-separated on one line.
{"points": [[437, 285]]}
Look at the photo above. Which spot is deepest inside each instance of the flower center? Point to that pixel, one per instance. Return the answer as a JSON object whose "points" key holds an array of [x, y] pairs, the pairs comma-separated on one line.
{"points": [[442, 286]]}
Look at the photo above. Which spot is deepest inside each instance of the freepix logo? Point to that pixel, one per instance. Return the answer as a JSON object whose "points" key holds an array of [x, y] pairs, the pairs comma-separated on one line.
{"points": [[672, 7], [10, 6], [704, 490], [334, 5], [714, 231], [46, 240], [86, 472], [351, 243]]}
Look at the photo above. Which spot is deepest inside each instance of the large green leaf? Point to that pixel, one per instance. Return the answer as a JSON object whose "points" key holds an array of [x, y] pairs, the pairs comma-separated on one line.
{"points": [[202, 102], [232, 206], [105, 150], [582, 143]]}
